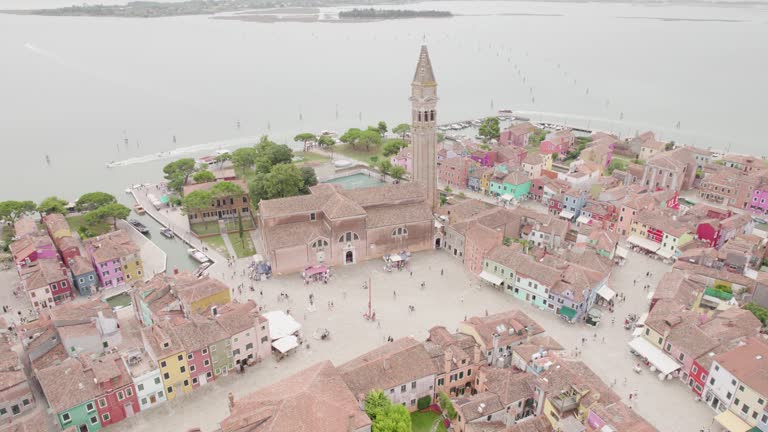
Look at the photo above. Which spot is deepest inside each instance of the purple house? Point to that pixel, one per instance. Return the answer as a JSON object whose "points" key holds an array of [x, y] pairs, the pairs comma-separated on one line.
{"points": [[759, 201], [486, 158], [32, 248]]}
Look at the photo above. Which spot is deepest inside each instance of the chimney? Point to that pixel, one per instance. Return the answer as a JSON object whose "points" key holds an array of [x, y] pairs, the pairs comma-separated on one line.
{"points": [[386, 364], [231, 398]]}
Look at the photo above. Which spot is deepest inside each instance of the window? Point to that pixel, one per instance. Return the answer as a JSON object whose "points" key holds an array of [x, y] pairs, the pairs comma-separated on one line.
{"points": [[741, 388], [89, 407], [206, 362], [182, 369], [695, 369], [166, 376], [704, 377], [413, 385], [94, 420], [469, 372], [166, 345], [186, 383], [180, 357], [120, 395], [105, 417], [745, 408], [140, 387], [398, 232], [728, 396], [681, 356], [128, 392], [157, 380], [65, 418], [717, 368], [440, 381], [102, 402], [205, 351], [712, 381], [319, 244], [312, 216], [25, 402], [733, 382], [736, 401], [143, 401], [190, 356], [760, 402], [191, 368], [402, 388], [208, 374], [163, 364], [194, 381], [348, 237]]}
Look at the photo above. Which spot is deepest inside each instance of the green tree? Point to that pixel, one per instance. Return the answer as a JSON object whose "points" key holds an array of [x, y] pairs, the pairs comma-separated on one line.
{"points": [[376, 403], [196, 201], [506, 241], [10, 211], [490, 128], [394, 418], [112, 211], [244, 158], [382, 127], [351, 137], [269, 154], [758, 311], [177, 173], [393, 146], [94, 200], [616, 164], [223, 157], [402, 129], [203, 177], [374, 160], [385, 166], [446, 405], [305, 138], [52, 205], [397, 172], [669, 146], [308, 177], [326, 141], [225, 189], [369, 138], [283, 181]]}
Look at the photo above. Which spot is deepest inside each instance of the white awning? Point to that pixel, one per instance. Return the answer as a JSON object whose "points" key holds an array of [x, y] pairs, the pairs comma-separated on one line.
{"points": [[665, 253], [583, 219], [286, 344], [644, 243], [492, 278], [281, 324], [507, 197], [621, 252], [567, 214], [656, 356], [606, 292], [731, 422]]}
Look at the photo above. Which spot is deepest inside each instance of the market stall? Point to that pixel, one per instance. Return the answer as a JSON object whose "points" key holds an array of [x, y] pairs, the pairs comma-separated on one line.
{"points": [[316, 273], [397, 261], [284, 346]]}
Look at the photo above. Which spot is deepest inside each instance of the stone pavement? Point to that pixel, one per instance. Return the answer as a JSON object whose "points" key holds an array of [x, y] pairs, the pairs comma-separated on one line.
{"points": [[154, 260], [669, 405], [225, 237]]}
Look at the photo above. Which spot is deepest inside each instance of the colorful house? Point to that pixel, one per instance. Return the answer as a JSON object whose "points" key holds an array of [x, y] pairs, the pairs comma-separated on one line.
{"points": [[197, 296], [116, 258], [117, 399], [516, 184], [58, 229], [249, 334], [197, 336], [517, 135], [404, 158], [71, 394], [165, 348], [226, 207], [29, 249], [532, 165], [46, 283], [146, 378], [486, 158], [454, 172], [83, 276]]}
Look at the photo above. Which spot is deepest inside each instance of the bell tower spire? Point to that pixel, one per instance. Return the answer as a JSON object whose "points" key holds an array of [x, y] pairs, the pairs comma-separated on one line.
{"points": [[424, 126]]}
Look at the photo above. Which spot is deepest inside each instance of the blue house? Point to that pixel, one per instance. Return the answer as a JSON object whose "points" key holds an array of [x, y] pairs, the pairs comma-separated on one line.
{"points": [[83, 275], [574, 200]]}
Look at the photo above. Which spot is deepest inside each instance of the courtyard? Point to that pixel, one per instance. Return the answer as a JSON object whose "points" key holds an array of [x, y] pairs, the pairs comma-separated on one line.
{"points": [[445, 300]]}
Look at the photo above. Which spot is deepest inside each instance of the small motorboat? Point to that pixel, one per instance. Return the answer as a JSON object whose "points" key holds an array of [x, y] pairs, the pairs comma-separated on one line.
{"points": [[198, 256], [167, 233], [140, 227], [139, 209]]}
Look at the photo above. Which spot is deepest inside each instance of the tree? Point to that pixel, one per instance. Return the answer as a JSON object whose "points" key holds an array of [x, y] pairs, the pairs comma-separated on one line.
{"points": [[490, 128], [269, 154], [114, 211], [305, 138], [374, 160], [326, 141], [196, 201], [52, 205], [283, 181], [177, 173], [225, 189], [393, 146], [506, 241], [244, 158], [351, 136], [402, 129], [382, 127], [12, 210], [446, 405], [395, 418], [223, 157], [368, 138], [384, 167], [94, 200], [375, 403], [397, 172], [203, 177], [309, 178], [616, 164], [669, 146]]}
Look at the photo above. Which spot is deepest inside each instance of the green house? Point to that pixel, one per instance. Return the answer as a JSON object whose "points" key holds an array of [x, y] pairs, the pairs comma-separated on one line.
{"points": [[71, 392], [83, 417], [516, 184], [221, 358]]}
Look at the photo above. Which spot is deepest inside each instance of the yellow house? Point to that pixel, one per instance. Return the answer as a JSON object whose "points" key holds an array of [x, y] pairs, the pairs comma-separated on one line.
{"points": [[199, 295], [133, 268], [547, 161], [485, 180], [166, 349], [559, 406], [653, 337]]}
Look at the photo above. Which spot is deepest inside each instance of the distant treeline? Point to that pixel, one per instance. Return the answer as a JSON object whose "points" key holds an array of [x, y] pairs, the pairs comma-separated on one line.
{"points": [[392, 14]]}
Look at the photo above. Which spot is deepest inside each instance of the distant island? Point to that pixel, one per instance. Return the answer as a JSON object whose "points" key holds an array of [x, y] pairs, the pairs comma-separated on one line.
{"points": [[379, 14]]}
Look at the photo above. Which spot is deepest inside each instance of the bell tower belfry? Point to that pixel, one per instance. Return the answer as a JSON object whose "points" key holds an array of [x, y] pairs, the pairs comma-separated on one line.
{"points": [[424, 127]]}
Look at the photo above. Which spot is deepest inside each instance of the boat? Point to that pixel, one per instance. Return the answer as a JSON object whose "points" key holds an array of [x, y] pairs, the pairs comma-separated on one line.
{"points": [[167, 232], [198, 256], [140, 227], [139, 209]]}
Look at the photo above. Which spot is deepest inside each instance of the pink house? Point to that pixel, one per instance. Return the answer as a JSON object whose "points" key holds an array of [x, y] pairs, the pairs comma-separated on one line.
{"points": [[455, 171], [559, 142], [108, 253], [759, 201], [403, 158], [486, 158], [32, 248], [517, 135], [198, 337], [479, 240]]}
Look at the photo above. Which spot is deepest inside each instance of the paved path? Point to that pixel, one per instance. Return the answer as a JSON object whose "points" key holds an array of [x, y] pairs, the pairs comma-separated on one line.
{"points": [[225, 237], [662, 403]]}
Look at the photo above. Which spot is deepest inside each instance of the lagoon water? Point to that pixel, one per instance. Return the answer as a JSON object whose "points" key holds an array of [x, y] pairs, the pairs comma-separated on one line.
{"points": [[87, 91]]}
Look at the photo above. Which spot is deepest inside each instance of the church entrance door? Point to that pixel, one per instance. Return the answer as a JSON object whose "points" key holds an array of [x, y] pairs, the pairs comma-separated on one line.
{"points": [[349, 257]]}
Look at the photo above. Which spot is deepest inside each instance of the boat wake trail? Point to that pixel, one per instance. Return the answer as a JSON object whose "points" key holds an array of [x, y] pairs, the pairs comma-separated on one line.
{"points": [[221, 144]]}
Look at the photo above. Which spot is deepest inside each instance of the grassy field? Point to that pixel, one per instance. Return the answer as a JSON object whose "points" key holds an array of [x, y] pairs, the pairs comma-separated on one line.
{"points": [[203, 229], [243, 248], [234, 225], [309, 157], [75, 222], [217, 242], [422, 422], [359, 155]]}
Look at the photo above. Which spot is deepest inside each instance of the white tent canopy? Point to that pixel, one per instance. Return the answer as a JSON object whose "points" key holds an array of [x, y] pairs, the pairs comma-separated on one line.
{"points": [[583, 219], [567, 214], [621, 252], [281, 324], [507, 197], [606, 292], [286, 344], [656, 356], [644, 243], [492, 278], [665, 253]]}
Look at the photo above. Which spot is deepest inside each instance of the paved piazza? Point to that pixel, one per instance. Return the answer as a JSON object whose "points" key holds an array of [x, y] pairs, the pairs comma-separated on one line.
{"points": [[445, 300]]}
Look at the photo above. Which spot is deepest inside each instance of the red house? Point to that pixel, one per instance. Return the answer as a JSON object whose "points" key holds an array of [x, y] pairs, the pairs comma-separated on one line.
{"points": [[556, 204], [118, 399], [697, 376], [197, 337], [59, 230]]}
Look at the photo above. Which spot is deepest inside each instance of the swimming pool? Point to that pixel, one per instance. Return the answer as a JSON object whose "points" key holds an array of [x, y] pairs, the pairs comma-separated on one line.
{"points": [[356, 181]]}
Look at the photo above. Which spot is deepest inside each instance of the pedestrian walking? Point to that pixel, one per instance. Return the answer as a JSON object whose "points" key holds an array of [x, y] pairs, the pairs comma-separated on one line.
{"points": [[462, 299], [442, 272]]}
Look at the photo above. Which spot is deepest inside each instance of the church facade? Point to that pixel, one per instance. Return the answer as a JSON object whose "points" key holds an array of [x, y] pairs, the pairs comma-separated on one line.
{"points": [[335, 226]]}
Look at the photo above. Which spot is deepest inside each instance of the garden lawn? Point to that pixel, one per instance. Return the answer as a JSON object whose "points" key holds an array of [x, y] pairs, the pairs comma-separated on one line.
{"points": [[300, 158], [421, 421], [217, 242], [203, 229], [359, 155], [77, 221], [243, 248], [234, 226]]}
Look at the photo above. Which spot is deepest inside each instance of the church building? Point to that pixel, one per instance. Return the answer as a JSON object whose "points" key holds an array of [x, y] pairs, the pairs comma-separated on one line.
{"points": [[335, 226]]}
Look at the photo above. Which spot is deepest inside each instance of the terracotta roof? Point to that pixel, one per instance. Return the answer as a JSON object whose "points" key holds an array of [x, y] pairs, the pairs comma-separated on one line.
{"points": [[653, 144], [198, 334], [748, 363], [510, 326], [522, 128], [205, 186], [390, 365], [190, 289], [81, 265], [387, 194], [529, 424], [24, 226], [80, 311], [160, 334], [67, 385], [56, 222], [33, 422], [672, 160], [516, 178], [237, 317], [301, 233], [111, 246], [478, 405], [315, 399], [42, 273], [398, 215], [464, 210], [509, 384]]}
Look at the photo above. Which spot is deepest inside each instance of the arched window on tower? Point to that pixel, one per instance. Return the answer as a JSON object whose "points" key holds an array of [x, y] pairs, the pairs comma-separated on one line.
{"points": [[432, 115], [419, 115]]}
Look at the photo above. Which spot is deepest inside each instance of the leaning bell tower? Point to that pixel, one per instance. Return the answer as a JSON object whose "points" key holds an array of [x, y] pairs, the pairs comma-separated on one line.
{"points": [[424, 127]]}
